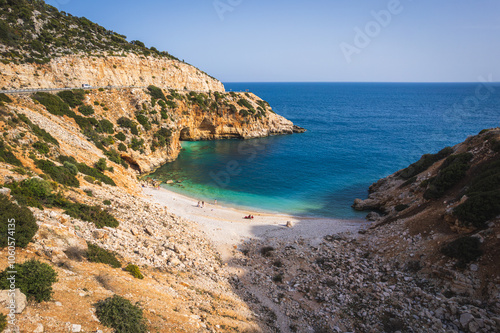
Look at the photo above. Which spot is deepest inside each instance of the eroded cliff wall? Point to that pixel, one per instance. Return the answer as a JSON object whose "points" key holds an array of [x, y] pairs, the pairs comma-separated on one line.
{"points": [[131, 70]]}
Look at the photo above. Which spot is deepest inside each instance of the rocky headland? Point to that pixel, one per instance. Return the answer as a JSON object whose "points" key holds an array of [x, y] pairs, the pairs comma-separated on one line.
{"points": [[69, 167]]}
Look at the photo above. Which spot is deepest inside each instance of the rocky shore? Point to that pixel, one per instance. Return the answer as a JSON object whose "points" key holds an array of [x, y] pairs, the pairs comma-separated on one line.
{"points": [[345, 284]]}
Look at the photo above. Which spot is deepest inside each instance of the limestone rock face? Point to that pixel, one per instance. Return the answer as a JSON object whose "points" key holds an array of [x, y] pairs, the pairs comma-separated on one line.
{"points": [[133, 70], [19, 297]]}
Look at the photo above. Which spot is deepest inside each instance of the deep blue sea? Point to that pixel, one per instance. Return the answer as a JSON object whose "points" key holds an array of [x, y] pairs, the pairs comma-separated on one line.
{"points": [[356, 134]]}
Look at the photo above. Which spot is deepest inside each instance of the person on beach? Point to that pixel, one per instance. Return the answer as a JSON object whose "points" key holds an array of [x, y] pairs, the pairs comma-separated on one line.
{"points": [[203, 204], [215, 202], [198, 205]]}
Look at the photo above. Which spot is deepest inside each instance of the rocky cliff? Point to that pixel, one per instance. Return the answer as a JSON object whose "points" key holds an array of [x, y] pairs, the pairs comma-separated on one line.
{"points": [[145, 132], [104, 70], [442, 215]]}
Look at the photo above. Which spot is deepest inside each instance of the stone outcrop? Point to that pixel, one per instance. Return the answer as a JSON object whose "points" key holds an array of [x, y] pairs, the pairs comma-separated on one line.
{"points": [[18, 297], [131, 70]]}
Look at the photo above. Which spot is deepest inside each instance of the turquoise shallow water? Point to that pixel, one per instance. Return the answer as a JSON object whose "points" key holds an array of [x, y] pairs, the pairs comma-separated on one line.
{"points": [[357, 133]]}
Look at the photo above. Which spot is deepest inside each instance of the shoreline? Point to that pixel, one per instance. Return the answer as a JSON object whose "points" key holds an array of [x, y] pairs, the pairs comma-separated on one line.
{"points": [[227, 228]]}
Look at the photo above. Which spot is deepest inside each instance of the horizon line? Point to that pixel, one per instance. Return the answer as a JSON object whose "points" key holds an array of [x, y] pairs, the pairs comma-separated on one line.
{"points": [[428, 82]]}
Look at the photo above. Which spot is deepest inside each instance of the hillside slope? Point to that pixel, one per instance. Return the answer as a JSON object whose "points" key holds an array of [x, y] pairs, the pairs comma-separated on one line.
{"points": [[70, 162], [41, 47], [443, 212]]}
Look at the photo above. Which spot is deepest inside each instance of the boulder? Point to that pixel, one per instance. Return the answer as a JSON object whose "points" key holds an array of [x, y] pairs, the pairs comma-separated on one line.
{"points": [[100, 234], [5, 191], [465, 318], [19, 297], [367, 204], [298, 129], [372, 216]]}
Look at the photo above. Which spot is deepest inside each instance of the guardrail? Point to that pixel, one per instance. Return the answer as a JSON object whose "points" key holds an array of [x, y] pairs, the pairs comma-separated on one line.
{"points": [[33, 90]]}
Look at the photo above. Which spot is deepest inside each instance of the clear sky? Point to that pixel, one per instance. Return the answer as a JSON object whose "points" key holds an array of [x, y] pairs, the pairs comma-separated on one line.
{"points": [[315, 40]]}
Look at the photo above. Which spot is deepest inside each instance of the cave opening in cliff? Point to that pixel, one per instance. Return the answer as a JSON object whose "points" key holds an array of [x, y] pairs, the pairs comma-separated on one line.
{"points": [[130, 161], [185, 134]]}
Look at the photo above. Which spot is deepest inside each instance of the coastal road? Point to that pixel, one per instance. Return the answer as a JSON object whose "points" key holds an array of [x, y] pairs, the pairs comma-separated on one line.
{"points": [[30, 91]]}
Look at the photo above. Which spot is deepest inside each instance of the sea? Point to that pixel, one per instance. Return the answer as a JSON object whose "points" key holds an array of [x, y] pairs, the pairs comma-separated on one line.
{"points": [[356, 134]]}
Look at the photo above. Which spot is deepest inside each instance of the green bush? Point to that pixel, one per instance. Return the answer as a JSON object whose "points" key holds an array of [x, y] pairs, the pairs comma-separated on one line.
{"points": [[122, 147], [93, 214], [100, 255], [483, 203], [156, 93], [73, 98], [465, 249], [58, 173], [89, 179], [487, 179], [37, 187], [114, 156], [424, 163], [101, 165], [34, 278], [3, 322], [39, 132], [451, 172], [86, 110], [41, 147], [400, 208], [134, 271], [136, 144], [105, 126], [52, 103], [19, 170], [495, 145], [7, 156], [162, 104], [119, 313], [163, 136], [479, 209], [245, 103], [144, 121], [171, 104], [34, 192], [127, 123], [106, 202], [120, 136], [4, 98], [86, 123], [25, 223], [89, 171], [233, 108], [73, 169]]}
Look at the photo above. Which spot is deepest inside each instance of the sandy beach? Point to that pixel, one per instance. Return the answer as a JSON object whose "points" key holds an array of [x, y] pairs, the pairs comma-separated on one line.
{"points": [[227, 226]]}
